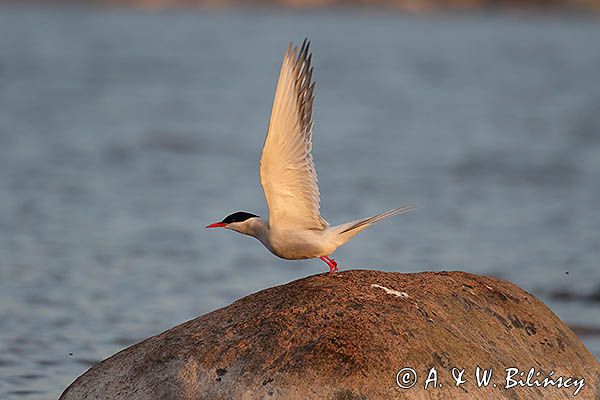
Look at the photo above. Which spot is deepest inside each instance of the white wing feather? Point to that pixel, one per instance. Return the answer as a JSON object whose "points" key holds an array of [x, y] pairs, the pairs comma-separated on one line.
{"points": [[287, 172]]}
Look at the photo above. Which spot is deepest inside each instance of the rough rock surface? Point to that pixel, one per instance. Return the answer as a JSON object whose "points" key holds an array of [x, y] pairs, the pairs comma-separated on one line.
{"points": [[345, 337]]}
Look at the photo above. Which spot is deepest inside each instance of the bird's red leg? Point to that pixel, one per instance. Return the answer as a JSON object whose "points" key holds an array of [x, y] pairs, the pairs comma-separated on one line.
{"points": [[332, 264], [331, 260]]}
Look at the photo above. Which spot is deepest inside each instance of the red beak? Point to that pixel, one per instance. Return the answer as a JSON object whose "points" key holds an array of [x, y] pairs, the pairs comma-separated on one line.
{"points": [[217, 225]]}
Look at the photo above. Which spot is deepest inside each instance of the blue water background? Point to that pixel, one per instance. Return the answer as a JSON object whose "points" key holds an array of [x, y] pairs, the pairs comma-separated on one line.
{"points": [[123, 133]]}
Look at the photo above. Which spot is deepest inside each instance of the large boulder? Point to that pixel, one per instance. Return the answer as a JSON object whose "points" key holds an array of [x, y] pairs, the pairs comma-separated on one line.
{"points": [[348, 336]]}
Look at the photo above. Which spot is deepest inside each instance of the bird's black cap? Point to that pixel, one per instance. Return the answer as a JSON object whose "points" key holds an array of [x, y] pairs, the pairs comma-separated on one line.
{"points": [[239, 216]]}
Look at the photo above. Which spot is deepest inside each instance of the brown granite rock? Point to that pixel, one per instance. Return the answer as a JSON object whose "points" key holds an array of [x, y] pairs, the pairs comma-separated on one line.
{"points": [[346, 337]]}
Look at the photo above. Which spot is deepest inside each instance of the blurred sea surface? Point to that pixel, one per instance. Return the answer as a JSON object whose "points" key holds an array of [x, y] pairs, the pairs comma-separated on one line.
{"points": [[123, 133]]}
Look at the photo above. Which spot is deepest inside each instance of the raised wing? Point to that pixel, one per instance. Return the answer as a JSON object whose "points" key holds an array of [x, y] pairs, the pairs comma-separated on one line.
{"points": [[287, 172]]}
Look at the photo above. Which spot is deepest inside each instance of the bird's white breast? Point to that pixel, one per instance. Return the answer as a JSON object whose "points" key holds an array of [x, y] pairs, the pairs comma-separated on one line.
{"points": [[298, 244]]}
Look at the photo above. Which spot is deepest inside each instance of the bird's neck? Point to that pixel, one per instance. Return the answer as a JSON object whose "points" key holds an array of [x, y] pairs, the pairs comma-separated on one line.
{"points": [[257, 227]]}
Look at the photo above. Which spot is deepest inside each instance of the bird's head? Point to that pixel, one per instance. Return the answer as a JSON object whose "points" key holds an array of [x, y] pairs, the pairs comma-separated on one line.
{"points": [[240, 221]]}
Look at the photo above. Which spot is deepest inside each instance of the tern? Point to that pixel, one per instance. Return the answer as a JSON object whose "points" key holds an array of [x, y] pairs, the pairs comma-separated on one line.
{"points": [[295, 229]]}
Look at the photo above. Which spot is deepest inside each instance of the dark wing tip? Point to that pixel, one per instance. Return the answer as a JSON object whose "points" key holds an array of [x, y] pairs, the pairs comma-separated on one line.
{"points": [[305, 87], [304, 55], [306, 42]]}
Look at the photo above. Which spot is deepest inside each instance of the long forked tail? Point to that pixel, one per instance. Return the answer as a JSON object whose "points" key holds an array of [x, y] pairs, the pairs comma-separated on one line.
{"points": [[352, 228]]}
